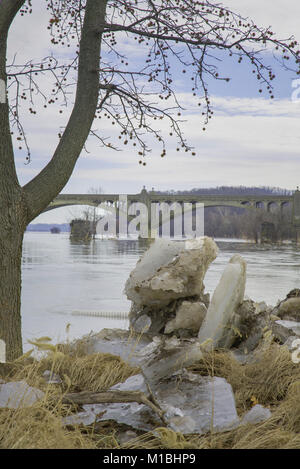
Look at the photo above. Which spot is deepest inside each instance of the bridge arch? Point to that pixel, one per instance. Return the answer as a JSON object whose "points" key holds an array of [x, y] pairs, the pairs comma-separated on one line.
{"points": [[260, 204], [272, 207], [112, 201]]}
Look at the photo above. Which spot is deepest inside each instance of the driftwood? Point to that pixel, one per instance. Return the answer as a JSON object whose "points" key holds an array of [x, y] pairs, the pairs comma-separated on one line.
{"points": [[88, 397]]}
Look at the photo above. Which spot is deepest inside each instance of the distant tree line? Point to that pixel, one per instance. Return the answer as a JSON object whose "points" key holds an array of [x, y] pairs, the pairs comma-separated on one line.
{"points": [[231, 190], [234, 222]]}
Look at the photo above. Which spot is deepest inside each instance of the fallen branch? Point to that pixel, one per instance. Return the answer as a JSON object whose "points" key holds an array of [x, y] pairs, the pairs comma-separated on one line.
{"points": [[88, 397]]}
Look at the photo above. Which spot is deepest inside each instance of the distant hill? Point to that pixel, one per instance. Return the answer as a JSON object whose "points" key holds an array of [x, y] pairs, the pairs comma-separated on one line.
{"points": [[231, 190], [63, 227]]}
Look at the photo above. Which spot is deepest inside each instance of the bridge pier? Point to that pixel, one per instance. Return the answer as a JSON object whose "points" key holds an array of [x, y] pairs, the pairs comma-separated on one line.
{"points": [[298, 236], [145, 199], [296, 214]]}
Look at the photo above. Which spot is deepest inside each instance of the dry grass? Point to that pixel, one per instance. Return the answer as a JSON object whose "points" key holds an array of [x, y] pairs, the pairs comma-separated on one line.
{"points": [[273, 380], [95, 372], [266, 380], [40, 426]]}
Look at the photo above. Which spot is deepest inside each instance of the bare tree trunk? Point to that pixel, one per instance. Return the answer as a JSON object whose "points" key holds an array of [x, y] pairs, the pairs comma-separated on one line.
{"points": [[13, 211], [18, 206], [10, 291]]}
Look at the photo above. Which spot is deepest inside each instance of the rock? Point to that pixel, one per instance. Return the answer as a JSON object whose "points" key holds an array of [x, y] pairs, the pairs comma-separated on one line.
{"points": [[250, 344], [292, 343], [18, 394], [290, 325], [248, 317], [189, 315], [260, 307], [289, 308], [251, 325], [282, 330], [153, 320], [274, 318], [257, 414], [2, 351], [220, 319], [169, 271], [293, 293]]}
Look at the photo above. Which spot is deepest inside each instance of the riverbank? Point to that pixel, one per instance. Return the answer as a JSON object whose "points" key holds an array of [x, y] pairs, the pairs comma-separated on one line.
{"points": [[272, 381], [191, 371]]}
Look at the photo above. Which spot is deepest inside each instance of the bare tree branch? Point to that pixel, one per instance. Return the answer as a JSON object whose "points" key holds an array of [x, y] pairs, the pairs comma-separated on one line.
{"points": [[176, 36], [43, 188]]}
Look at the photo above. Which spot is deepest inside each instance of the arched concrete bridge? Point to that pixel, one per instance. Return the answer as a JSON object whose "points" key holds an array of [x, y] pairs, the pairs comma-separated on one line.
{"points": [[243, 201]]}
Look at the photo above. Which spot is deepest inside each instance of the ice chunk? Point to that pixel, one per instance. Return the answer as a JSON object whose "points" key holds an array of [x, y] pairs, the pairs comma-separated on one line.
{"points": [[170, 270], [228, 295], [257, 414], [18, 394]]}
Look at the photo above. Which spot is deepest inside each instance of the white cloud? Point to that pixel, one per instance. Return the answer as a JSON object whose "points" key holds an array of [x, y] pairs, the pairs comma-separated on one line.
{"points": [[259, 147], [248, 141], [281, 15]]}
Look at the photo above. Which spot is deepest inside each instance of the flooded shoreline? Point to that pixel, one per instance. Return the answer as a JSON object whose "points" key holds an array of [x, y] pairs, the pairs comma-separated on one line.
{"points": [[69, 284]]}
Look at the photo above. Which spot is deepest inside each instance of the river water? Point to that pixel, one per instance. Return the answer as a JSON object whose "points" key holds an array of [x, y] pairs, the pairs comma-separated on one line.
{"points": [[64, 283]]}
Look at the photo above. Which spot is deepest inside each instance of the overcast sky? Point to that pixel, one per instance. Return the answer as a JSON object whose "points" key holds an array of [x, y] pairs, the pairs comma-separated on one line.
{"points": [[251, 140]]}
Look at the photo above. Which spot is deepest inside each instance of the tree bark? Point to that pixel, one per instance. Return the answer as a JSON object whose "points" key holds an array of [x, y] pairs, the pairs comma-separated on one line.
{"points": [[18, 206], [10, 291], [13, 212]]}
